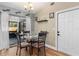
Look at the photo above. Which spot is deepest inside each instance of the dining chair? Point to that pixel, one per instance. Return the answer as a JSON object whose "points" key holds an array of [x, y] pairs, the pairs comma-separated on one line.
{"points": [[21, 42], [40, 43]]}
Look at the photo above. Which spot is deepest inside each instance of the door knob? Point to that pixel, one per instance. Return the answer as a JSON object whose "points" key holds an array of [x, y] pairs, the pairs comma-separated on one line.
{"points": [[58, 34]]}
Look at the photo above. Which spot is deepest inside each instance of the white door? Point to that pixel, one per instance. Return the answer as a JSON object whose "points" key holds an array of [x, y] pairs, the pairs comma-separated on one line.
{"points": [[68, 30]]}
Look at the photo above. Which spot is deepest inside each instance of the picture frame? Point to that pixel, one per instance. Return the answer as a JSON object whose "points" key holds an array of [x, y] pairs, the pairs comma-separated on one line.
{"points": [[51, 15]]}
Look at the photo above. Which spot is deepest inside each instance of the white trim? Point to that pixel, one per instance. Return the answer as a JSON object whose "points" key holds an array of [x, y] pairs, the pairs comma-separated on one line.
{"points": [[68, 9], [51, 47], [56, 31]]}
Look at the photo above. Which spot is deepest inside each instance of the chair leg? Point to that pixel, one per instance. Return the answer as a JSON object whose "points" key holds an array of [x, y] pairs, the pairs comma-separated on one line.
{"points": [[30, 51], [20, 52], [44, 51], [38, 51], [26, 48], [17, 51]]}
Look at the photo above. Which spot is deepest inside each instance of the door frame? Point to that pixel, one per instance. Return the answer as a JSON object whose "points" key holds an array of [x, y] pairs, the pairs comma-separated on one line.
{"points": [[56, 22]]}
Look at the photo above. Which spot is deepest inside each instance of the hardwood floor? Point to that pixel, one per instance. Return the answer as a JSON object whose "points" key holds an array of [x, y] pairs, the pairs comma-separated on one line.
{"points": [[12, 52]]}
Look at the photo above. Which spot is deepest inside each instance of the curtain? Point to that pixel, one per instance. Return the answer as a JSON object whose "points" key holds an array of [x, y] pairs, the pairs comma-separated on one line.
{"points": [[4, 34]]}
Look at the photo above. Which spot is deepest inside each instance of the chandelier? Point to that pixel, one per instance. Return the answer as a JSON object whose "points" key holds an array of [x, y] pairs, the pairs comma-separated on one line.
{"points": [[28, 6]]}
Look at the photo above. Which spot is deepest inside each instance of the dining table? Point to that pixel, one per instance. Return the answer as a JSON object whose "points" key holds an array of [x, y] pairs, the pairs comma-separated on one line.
{"points": [[31, 40]]}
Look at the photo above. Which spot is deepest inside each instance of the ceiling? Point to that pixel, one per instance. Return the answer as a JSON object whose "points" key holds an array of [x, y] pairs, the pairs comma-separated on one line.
{"points": [[20, 5]]}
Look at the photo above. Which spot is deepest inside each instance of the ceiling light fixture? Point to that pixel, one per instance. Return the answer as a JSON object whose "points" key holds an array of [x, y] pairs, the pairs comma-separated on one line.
{"points": [[29, 6]]}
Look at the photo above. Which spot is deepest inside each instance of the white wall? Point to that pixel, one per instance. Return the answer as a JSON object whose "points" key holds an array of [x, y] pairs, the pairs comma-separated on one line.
{"points": [[50, 25]]}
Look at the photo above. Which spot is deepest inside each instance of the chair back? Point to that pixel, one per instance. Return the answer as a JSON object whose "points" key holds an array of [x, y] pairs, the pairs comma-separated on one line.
{"points": [[21, 37], [41, 38], [42, 35], [26, 33]]}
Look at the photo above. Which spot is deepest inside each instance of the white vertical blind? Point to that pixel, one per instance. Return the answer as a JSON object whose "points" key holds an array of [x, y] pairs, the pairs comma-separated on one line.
{"points": [[28, 24]]}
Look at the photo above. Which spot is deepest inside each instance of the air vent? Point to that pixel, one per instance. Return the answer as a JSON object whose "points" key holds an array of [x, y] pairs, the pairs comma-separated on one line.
{"points": [[52, 3]]}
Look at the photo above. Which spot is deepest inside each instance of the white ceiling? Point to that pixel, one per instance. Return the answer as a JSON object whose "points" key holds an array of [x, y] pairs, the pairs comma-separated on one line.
{"points": [[20, 5]]}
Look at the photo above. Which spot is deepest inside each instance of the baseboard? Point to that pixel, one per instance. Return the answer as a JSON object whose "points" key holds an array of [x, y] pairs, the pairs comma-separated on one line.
{"points": [[51, 47]]}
